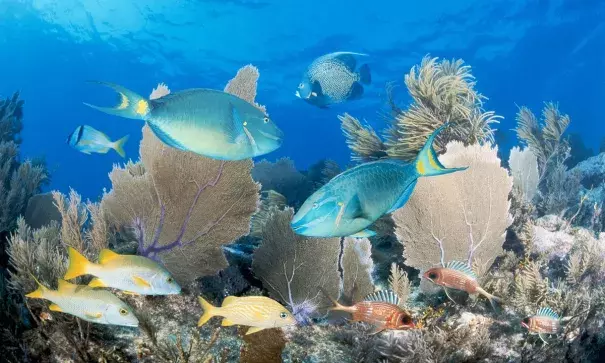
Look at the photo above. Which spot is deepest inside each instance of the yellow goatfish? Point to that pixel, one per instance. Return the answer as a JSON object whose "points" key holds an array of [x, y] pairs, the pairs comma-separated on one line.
{"points": [[97, 306], [134, 274], [258, 312]]}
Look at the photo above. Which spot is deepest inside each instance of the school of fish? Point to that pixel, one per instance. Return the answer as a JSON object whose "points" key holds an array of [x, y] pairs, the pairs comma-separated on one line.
{"points": [[220, 125]]}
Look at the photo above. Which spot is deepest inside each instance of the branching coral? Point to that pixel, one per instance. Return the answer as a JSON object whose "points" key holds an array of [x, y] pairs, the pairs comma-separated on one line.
{"points": [[11, 118], [400, 284], [461, 216], [357, 266], [524, 169], [182, 207], [363, 141], [243, 85]]}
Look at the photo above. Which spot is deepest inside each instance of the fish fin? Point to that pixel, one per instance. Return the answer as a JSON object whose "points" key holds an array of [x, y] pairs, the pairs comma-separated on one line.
{"points": [[254, 329], [356, 91], [427, 162], [365, 76], [227, 322], [237, 125], [461, 267], [39, 292], [209, 311], [548, 312], [354, 209], [166, 139], [347, 59], [543, 337], [141, 282], [118, 146], [93, 315], [85, 152], [403, 198], [55, 307], [388, 296], [337, 306], [78, 264], [364, 233], [106, 255], [448, 293], [97, 282], [378, 330], [160, 91], [65, 286], [131, 293], [131, 104], [229, 300]]}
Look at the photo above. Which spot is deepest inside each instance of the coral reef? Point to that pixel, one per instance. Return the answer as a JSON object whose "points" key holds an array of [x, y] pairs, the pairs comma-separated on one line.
{"points": [[523, 166]]}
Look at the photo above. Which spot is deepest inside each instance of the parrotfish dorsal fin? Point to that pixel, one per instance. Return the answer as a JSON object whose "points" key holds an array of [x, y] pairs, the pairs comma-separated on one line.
{"points": [[388, 296], [229, 300], [462, 267], [548, 312], [106, 255], [65, 286]]}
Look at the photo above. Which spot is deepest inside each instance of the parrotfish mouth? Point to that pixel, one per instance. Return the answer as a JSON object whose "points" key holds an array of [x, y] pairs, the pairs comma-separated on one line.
{"points": [[269, 136]]}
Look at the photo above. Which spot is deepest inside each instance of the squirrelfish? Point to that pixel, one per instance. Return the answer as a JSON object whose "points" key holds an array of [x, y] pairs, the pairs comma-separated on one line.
{"points": [[97, 306], [134, 274], [88, 140], [258, 312], [546, 321], [349, 203], [458, 275], [208, 122], [380, 309], [334, 78]]}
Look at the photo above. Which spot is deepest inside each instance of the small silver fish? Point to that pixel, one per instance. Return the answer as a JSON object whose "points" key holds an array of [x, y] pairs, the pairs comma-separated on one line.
{"points": [[334, 78], [88, 140]]}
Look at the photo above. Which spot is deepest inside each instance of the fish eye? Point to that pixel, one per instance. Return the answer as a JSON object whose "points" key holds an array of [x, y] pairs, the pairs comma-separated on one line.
{"points": [[169, 280], [123, 312], [432, 275], [283, 315], [301, 85], [315, 205], [405, 319], [266, 119]]}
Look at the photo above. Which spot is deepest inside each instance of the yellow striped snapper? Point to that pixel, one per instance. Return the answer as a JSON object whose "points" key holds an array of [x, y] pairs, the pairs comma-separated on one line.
{"points": [[96, 306], [134, 274], [88, 140], [258, 312]]}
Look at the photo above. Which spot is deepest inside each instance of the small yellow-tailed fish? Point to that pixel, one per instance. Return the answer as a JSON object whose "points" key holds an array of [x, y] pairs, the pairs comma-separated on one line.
{"points": [[134, 274], [258, 312], [88, 140], [97, 306]]}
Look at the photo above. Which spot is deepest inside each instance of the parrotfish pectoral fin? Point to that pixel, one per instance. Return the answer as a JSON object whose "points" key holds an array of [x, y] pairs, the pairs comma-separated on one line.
{"points": [[237, 132], [131, 104], [118, 146], [427, 163], [209, 311], [403, 198], [365, 76], [356, 91], [253, 330], [364, 233], [78, 265]]}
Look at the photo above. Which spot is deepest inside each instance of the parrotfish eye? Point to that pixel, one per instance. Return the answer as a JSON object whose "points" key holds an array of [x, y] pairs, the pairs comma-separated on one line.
{"points": [[283, 315], [245, 123], [266, 119], [315, 205], [123, 312]]}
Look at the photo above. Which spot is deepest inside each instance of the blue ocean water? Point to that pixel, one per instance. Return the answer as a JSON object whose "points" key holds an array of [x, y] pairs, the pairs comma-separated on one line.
{"points": [[522, 53]]}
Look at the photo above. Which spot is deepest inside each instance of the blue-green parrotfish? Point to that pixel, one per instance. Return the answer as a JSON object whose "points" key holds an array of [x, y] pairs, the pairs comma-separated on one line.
{"points": [[134, 274], [207, 122], [334, 78], [349, 203], [88, 140], [87, 303]]}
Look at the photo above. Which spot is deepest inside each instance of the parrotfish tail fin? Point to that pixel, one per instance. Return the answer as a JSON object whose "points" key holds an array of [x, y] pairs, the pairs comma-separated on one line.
{"points": [[427, 163], [209, 311], [78, 264], [365, 76], [118, 146], [39, 292], [131, 104]]}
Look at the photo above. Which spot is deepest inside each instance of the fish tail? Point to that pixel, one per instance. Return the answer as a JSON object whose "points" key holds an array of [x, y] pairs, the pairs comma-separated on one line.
{"points": [[40, 292], [131, 104], [365, 76], [78, 264], [427, 163], [495, 301], [118, 146], [209, 311], [337, 306]]}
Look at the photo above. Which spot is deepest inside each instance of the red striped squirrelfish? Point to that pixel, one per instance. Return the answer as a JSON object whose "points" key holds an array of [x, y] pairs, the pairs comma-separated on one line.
{"points": [[459, 276], [379, 309], [546, 321]]}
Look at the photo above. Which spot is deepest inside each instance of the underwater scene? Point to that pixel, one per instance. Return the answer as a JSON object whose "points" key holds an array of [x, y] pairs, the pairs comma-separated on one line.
{"points": [[267, 181]]}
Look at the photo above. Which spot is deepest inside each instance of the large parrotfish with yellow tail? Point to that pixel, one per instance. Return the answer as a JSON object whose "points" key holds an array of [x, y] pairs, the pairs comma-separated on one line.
{"points": [[130, 273], [349, 203], [87, 303], [208, 122], [258, 312]]}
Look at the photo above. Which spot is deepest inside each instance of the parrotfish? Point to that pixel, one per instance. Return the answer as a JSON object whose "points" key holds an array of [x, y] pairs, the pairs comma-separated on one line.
{"points": [[380, 309], [334, 78], [458, 275], [88, 140], [349, 203], [546, 321], [133, 274], [97, 306], [258, 312], [207, 122]]}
